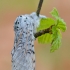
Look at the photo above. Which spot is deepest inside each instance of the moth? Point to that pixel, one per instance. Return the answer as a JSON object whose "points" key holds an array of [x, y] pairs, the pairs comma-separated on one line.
{"points": [[23, 53]]}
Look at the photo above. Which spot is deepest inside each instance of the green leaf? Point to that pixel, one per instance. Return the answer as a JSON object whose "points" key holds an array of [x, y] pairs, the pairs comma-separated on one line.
{"points": [[55, 13], [45, 23], [56, 39], [61, 24], [56, 44], [46, 38]]}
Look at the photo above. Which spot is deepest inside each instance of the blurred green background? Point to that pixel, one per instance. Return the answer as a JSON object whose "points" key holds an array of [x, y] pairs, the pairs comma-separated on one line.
{"points": [[10, 9]]}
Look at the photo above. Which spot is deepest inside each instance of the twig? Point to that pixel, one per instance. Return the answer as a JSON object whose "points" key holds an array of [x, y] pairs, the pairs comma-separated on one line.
{"points": [[42, 32], [39, 7]]}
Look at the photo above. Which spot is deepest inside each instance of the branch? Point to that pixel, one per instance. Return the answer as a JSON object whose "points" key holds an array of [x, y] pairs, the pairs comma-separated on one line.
{"points": [[42, 32], [39, 7]]}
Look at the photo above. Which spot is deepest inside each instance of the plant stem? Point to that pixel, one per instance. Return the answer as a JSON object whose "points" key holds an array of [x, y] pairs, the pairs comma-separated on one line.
{"points": [[39, 7], [42, 32]]}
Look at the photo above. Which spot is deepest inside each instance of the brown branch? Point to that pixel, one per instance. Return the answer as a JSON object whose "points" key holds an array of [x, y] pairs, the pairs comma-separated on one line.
{"points": [[39, 7], [42, 32]]}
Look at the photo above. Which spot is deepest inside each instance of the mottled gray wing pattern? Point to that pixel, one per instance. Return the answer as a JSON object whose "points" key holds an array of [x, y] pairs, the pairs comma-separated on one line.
{"points": [[23, 54]]}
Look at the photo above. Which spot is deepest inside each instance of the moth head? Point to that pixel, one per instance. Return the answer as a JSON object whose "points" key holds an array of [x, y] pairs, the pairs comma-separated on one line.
{"points": [[17, 24]]}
